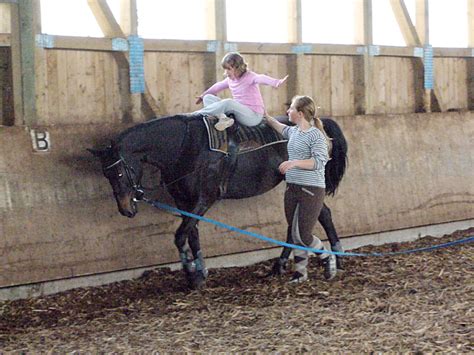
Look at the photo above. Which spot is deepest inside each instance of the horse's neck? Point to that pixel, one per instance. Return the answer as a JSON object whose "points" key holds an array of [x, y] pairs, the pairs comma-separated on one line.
{"points": [[160, 140]]}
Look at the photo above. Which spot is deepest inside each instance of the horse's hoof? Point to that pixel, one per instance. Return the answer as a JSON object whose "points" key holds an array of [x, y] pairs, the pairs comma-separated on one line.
{"points": [[339, 263], [279, 268], [197, 280]]}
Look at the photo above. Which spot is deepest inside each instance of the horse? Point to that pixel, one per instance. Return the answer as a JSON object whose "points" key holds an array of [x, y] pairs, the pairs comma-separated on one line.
{"points": [[196, 177]]}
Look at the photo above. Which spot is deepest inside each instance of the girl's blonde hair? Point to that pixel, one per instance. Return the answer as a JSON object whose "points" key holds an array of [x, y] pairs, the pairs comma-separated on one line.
{"points": [[306, 105], [236, 61]]}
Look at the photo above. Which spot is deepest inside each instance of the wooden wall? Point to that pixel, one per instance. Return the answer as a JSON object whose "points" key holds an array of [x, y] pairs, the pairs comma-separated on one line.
{"points": [[58, 217], [451, 78], [79, 87], [84, 86]]}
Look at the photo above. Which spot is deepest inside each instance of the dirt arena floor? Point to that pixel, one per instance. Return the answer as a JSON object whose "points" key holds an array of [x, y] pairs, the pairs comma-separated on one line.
{"points": [[421, 302]]}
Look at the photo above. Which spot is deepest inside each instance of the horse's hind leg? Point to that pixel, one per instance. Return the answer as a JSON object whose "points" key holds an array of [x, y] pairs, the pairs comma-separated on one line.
{"points": [[325, 219]]}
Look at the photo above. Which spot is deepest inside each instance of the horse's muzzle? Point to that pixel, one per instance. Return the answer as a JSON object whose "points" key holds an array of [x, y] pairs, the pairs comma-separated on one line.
{"points": [[127, 207]]}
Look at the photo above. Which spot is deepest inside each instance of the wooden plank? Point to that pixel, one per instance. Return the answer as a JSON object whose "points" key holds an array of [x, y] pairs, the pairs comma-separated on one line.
{"points": [[321, 82], [404, 22], [62, 73], [470, 83], [5, 40], [52, 110]]}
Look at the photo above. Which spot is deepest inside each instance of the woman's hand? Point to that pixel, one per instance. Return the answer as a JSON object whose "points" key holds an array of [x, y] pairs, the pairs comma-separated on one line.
{"points": [[198, 100], [287, 165]]}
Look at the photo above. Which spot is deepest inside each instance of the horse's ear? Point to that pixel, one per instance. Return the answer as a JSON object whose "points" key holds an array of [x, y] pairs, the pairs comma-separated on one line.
{"points": [[96, 152]]}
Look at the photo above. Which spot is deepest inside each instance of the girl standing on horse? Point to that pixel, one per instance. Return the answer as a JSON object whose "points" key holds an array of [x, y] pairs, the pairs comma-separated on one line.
{"points": [[308, 153], [247, 103]]}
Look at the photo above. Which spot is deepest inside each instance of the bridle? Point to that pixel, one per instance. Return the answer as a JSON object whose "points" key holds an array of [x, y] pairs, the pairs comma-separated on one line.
{"points": [[136, 187]]}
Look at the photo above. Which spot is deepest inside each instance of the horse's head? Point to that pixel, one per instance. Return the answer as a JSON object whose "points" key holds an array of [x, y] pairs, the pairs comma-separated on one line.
{"points": [[124, 177]]}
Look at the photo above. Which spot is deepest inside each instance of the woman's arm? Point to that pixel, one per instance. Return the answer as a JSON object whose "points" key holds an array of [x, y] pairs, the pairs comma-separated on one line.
{"points": [[277, 126], [305, 164]]}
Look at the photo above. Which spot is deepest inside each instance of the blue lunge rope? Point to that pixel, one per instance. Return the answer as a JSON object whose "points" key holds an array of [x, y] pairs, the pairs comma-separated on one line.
{"points": [[294, 246]]}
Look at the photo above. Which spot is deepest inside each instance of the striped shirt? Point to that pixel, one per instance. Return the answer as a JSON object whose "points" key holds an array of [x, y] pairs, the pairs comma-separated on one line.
{"points": [[306, 145]]}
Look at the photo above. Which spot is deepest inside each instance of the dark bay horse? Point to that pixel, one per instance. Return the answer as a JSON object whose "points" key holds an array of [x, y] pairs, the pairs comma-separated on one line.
{"points": [[195, 176]]}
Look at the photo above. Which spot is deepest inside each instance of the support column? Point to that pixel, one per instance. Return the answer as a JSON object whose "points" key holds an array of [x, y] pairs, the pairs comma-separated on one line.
{"points": [[364, 65], [470, 61], [129, 26], [220, 28], [423, 30], [25, 24], [296, 65]]}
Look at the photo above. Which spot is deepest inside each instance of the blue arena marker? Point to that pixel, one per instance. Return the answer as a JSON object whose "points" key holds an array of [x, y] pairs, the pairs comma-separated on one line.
{"points": [[429, 67], [119, 44], [137, 71], [44, 40]]}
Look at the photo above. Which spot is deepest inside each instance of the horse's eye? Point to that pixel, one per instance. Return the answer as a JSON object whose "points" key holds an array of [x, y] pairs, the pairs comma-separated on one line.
{"points": [[120, 175]]}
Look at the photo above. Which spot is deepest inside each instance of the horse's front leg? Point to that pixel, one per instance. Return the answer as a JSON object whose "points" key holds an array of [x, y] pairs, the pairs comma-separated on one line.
{"points": [[325, 219], [192, 260]]}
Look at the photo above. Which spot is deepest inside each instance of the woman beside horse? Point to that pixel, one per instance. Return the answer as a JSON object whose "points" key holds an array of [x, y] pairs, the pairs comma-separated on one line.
{"points": [[308, 153]]}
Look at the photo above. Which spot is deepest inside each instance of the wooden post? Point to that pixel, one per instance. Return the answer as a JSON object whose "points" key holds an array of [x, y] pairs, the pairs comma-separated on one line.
{"points": [[129, 26], [423, 28], [363, 67], [297, 69], [470, 61], [16, 64], [25, 24], [220, 35]]}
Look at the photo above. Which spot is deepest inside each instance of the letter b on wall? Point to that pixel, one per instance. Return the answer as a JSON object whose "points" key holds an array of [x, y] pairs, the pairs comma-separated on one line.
{"points": [[40, 140]]}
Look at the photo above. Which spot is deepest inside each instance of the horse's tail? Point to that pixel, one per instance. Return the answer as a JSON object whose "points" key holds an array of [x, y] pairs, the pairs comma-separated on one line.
{"points": [[336, 167]]}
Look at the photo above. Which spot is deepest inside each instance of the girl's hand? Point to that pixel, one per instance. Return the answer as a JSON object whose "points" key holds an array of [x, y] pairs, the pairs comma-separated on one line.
{"points": [[287, 165], [283, 80], [198, 100]]}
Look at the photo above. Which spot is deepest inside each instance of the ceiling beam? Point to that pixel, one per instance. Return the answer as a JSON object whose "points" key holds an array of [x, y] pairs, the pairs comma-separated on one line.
{"points": [[404, 22]]}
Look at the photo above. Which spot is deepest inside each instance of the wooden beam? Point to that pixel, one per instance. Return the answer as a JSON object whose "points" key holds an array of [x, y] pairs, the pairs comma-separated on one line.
{"points": [[111, 28], [129, 17], [105, 18], [422, 21], [295, 29], [404, 22]]}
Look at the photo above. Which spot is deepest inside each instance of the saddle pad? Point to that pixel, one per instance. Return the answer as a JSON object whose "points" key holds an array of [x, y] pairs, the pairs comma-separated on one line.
{"points": [[248, 138]]}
